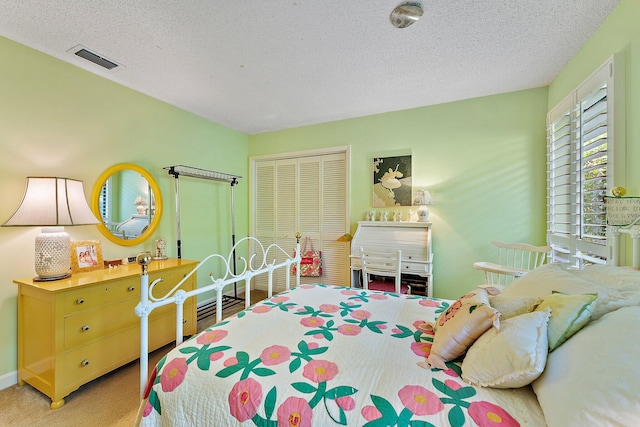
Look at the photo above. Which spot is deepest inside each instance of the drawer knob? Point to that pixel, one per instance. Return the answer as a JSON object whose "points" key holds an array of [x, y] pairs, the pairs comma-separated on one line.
{"points": [[184, 320], [80, 301], [85, 362], [85, 328], [131, 288]]}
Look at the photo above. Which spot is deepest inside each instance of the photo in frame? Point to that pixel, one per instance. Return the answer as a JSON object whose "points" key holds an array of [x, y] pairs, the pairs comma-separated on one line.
{"points": [[86, 255], [392, 181]]}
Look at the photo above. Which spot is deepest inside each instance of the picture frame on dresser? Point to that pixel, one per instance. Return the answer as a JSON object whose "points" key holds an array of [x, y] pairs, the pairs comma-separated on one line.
{"points": [[86, 255]]}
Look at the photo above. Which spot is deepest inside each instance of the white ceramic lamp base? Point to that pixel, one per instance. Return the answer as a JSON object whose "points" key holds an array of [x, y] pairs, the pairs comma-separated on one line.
{"points": [[423, 214], [53, 261]]}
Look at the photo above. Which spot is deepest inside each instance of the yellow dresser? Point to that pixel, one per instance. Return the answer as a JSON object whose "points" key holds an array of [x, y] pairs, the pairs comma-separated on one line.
{"points": [[74, 330]]}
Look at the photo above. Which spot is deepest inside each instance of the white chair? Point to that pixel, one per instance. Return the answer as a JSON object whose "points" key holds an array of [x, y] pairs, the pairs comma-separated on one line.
{"points": [[381, 264], [514, 260]]}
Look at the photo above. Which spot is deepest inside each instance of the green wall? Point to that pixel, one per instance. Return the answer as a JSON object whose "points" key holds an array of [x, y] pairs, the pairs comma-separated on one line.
{"points": [[482, 159], [59, 120], [619, 33]]}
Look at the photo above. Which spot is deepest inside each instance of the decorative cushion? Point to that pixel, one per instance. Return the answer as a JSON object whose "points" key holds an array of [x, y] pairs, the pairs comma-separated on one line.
{"points": [[569, 313], [616, 286], [512, 357], [592, 379], [511, 306], [477, 296], [460, 325]]}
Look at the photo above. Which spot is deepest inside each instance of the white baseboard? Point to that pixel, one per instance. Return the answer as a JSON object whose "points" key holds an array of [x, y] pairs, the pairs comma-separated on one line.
{"points": [[8, 379]]}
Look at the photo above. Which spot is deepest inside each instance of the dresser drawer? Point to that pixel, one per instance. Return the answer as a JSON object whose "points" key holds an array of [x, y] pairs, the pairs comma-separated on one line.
{"points": [[85, 363], [93, 296], [416, 268], [108, 319], [103, 320]]}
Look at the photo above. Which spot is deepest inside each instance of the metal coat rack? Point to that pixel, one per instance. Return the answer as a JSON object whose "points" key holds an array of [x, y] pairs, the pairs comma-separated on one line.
{"points": [[180, 170]]}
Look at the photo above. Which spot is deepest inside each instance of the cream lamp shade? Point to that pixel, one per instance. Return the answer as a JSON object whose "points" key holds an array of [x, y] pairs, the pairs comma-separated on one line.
{"points": [[422, 199], [52, 203]]}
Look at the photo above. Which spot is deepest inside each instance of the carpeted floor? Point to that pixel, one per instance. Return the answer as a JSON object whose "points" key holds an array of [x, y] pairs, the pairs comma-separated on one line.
{"points": [[111, 400]]}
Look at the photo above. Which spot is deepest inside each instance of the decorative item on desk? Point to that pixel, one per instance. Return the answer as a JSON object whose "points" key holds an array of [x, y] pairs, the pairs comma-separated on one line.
{"points": [[52, 203], [161, 249], [86, 255], [422, 199]]}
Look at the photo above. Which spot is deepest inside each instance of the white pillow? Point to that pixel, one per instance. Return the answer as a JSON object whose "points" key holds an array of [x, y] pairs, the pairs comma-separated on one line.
{"points": [[511, 306], [594, 378], [511, 357], [612, 293]]}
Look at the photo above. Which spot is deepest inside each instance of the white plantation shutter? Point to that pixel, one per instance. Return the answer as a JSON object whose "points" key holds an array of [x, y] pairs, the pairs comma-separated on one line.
{"points": [[560, 186], [308, 194], [592, 155], [580, 170]]}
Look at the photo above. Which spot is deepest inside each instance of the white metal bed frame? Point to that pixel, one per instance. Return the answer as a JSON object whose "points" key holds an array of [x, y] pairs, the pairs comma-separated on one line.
{"points": [[251, 268]]}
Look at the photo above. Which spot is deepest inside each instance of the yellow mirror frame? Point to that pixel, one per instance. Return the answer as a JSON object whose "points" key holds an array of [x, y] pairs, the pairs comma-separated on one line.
{"points": [[95, 203]]}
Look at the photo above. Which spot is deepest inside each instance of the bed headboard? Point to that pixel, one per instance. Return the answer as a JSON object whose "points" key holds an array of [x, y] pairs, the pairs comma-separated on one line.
{"points": [[261, 260]]}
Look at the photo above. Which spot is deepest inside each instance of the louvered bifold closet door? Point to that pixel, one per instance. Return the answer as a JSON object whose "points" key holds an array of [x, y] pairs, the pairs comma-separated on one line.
{"points": [[322, 208], [286, 191], [309, 201], [335, 254], [265, 209], [307, 194]]}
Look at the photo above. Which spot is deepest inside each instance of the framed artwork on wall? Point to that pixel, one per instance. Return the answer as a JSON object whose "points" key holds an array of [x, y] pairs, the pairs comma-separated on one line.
{"points": [[392, 181], [86, 255]]}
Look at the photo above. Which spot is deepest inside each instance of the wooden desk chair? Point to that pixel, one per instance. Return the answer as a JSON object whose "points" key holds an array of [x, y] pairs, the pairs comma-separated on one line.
{"points": [[514, 260], [381, 264]]}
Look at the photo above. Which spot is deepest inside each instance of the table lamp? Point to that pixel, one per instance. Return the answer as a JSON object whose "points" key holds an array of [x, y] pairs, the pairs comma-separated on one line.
{"points": [[423, 198], [52, 203]]}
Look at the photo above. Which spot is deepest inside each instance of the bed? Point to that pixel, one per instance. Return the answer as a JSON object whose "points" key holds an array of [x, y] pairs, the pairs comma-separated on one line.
{"points": [[327, 355]]}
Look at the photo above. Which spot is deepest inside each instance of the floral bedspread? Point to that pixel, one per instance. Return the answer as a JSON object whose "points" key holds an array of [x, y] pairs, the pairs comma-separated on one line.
{"points": [[325, 356]]}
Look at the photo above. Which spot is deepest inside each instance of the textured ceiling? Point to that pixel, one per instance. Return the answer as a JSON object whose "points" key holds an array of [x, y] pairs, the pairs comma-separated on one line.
{"points": [[257, 65]]}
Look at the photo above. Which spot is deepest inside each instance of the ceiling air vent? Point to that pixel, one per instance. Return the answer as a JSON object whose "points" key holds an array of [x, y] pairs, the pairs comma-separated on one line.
{"points": [[95, 58]]}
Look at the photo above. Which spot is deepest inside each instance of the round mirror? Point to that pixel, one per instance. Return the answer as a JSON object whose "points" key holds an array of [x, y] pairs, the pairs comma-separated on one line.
{"points": [[128, 200]]}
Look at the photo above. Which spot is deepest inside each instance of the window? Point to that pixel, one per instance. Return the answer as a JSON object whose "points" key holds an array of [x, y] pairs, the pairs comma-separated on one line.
{"points": [[581, 168]]}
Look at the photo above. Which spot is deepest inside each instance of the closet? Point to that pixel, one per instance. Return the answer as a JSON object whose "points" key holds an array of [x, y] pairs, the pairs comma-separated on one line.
{"points": [[306, 193]]}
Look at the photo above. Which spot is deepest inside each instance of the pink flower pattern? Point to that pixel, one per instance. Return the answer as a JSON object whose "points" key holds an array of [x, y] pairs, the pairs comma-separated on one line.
{"points": [[329, 308], [275, 355], [173, 374], [261, 309], [211, 336], [349, 329], [295, 412], [486, 414], [246, 396], [320, 370], [312, 322], [419, 400], [245, 399]]}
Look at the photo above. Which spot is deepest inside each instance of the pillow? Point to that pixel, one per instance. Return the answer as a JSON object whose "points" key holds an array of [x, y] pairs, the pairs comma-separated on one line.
{"points": [[458, 327], [569, 313], [619, 290], [512, 357], [592, 379], [477, 296], [511, 306]]}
